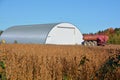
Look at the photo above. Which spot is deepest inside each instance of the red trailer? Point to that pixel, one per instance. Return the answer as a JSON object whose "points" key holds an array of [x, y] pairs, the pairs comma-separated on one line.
{"points": [[95, 40]]}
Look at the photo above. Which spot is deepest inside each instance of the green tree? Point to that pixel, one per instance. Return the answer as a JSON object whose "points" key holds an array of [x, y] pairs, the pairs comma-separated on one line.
{"points": [[1, 32]]}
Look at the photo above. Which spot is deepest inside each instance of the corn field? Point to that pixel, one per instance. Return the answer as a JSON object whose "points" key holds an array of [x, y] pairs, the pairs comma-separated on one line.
{"points": [[52, 62]]}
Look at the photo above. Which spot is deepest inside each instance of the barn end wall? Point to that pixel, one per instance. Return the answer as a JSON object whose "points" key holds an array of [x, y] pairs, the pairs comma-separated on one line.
{"points": [[65, 34]]}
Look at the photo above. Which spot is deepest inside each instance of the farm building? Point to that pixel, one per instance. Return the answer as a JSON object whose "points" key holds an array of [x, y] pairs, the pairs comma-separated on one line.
{"points": [[56, 33]]}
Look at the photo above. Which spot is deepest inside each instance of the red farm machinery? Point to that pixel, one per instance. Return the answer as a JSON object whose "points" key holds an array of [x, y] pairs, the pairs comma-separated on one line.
{"points": [[95, 40]]}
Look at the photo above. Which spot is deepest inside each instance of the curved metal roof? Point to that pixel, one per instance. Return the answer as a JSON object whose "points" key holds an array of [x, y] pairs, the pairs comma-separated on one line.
{"points": [[28, 33]]}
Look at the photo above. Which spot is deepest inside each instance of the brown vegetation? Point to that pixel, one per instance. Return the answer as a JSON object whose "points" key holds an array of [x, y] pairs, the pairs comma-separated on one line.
{"points": [[52, 62]]}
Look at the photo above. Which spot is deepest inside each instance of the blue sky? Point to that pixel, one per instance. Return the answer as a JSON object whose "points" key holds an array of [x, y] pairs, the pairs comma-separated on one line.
{"points": [[88, 15]]}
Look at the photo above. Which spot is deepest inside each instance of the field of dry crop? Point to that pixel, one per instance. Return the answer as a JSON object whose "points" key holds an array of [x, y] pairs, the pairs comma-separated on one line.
{"points": [[52, 62]]}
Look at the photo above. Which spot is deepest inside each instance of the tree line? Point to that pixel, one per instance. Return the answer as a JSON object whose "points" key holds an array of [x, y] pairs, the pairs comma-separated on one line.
{"points": [[114, 35]]}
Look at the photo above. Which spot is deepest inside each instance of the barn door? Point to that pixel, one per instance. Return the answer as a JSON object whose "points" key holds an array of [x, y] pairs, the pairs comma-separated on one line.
{"points": [[64, 35]]}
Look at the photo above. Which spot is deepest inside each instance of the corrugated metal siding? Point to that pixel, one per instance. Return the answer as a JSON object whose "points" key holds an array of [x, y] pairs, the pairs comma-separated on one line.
{"points": [[28, 33]]}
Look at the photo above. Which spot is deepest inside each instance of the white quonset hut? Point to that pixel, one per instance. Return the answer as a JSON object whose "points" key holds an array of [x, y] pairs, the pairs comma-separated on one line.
{"points": [[57, 33]]}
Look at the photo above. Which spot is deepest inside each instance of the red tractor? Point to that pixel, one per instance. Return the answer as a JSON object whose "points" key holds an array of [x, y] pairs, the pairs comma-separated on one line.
{"points": [[95, 40]]}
